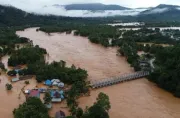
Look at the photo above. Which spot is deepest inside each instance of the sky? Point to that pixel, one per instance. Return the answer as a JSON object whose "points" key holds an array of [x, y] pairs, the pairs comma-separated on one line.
{"points": [[127, 3]]}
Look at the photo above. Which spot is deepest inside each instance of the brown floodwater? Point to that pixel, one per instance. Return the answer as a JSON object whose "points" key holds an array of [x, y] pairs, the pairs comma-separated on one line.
{"points": [[134, 99]]}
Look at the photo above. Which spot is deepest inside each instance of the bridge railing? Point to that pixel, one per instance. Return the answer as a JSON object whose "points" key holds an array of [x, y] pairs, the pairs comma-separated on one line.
{"points": [[116, 80]]}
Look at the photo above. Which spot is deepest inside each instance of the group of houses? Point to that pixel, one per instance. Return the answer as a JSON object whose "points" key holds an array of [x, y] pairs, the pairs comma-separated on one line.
{"points": [[56, 95], [54, 82]]}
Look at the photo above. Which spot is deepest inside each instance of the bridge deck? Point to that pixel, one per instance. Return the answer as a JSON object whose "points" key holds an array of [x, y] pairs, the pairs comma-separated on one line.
{"points": [[116, 80]]}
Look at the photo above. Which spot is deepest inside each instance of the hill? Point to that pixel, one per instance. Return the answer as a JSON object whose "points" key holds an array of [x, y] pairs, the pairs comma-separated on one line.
{"points": [[94, 7], [161, 13]]}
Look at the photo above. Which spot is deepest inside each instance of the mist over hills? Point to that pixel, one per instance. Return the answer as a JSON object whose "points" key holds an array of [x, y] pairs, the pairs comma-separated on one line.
{"points": [[161, 12], [94, 6]]}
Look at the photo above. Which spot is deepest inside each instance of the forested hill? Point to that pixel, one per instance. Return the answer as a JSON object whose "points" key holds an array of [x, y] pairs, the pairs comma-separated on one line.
{"points": [[94, 6], [10, 16]]}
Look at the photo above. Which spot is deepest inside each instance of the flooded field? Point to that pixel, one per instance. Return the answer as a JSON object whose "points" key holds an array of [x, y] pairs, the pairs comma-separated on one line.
{"points": [[134, 99]]}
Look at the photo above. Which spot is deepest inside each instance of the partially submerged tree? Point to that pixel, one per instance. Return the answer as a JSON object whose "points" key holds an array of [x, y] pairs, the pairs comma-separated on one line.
{"points": [[47, 98], [103, 101], [9, 86], [32, 108]]}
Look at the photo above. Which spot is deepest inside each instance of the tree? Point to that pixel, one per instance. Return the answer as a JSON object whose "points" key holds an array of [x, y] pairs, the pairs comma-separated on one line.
{"points": [[12, 73], [26, 82], [47, 98], [103, 101], [96, 111], [32, 108], [9, 86], [79, 113]]}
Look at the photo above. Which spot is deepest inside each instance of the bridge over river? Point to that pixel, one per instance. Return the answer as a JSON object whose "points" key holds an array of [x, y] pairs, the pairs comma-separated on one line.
{"points": [[116, 80]]}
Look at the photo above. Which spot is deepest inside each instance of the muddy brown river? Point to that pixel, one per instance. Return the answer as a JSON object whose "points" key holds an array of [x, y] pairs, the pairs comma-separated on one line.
{"points": [[134, 99]]}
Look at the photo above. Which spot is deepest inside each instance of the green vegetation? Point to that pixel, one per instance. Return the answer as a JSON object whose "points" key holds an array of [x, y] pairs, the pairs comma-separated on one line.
{"points": [[98, 110], [47, 98], [100, 34], [103, 101], [8, 41], [26, 56], [12, 73], [148, 35], [167, 74], [26, 82], [9, 86], [32, 108]]}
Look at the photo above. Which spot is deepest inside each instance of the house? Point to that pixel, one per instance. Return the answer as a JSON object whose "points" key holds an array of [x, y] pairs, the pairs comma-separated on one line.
{"points": [[14, 79], [42, 90], [34, 93], [57, 96], [61, 85], [27, 91], [48, 83], [55, 82], [60, 114]]}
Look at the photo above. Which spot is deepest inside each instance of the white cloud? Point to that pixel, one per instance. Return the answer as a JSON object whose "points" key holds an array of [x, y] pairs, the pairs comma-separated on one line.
{"points": [[129, 3], [157, 10], [84, 13], [37, 6]]}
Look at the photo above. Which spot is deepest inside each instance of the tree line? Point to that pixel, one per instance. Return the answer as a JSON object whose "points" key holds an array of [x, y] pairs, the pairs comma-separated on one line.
{"points": [[34, 108], [167, 74]]}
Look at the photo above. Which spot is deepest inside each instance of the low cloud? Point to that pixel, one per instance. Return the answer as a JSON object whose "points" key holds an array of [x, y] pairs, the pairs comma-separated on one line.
{"points": [[61, 11]]}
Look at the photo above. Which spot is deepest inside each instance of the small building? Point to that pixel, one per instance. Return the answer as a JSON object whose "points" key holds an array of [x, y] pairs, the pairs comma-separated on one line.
{"points": [[55, 82], [27, 91], [57, 96], [42, 90], [34, 93], [48, 83], [61, 85], [14, 79], [60, 114]]}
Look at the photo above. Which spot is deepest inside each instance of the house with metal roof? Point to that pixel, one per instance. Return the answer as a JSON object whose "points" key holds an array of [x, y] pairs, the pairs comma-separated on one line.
{"points": [[48, 83], [34, 93], [14, 79]]}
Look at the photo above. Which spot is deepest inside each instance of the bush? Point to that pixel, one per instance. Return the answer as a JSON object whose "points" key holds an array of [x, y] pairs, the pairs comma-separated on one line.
{"points": [[26, 82], [12, 73], [8, 86]]}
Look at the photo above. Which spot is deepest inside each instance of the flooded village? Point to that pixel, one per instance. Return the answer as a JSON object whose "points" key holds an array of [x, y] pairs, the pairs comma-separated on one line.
{"points": [[138, 98]]}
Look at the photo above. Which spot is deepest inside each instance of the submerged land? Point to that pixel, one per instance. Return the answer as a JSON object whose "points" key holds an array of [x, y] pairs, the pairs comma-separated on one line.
{"points": [[48, 64], [137, 97]]}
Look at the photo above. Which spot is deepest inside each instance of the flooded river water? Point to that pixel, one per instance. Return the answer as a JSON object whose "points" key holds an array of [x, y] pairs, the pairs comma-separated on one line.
{"points": [[134, 99]]}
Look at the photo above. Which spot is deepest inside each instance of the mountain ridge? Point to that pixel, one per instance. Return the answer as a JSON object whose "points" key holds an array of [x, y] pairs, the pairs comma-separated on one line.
{"points": [[94, 6]]}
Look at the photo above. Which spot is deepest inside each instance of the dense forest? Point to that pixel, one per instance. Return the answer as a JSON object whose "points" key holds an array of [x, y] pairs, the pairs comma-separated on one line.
{"points": [[8, 40], [32, 108], [167, 74], [26, 56]]}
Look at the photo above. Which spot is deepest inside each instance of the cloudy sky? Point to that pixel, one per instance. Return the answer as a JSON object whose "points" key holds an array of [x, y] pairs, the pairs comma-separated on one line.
{"points": [[127, 3], [38, 6]]}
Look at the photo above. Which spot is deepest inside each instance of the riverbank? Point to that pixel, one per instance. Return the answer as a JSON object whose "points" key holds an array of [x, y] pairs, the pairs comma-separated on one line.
{"points": [[139, 98]]}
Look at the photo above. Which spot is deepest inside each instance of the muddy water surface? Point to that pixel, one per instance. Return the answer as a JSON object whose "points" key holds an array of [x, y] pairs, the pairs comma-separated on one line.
{"points": [[135, 99], [98, 61]]}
